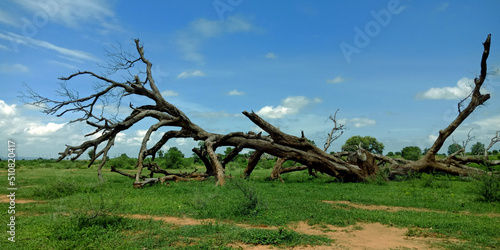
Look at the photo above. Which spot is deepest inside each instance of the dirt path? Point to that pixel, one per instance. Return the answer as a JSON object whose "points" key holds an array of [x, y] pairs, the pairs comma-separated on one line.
{"points": [[5, 199], [359, 236], [396, 209]]}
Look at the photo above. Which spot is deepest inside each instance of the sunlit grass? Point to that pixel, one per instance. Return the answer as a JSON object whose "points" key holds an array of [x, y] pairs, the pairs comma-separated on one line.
{"points": [[64, 192]]}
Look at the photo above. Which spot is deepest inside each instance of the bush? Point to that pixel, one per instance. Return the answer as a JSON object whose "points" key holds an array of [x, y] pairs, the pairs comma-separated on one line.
{"points": [[123, 162], [488, 188], [250, 204], [432, 181], [412, 153]]}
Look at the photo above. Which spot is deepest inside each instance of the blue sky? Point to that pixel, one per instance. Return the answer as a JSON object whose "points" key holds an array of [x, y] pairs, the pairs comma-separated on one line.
{"points": [[395, 69]]}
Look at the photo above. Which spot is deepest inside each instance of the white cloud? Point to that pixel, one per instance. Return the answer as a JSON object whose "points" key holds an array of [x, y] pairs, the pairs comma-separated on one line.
{"points": [[27, 41], [337, 79], [271, 55], [489, 125], [236, 92], [192, 73], [7, 110], [169, 93], [431, 138], [464, 87], [41, 130], [276, 112], [13, 68], [191, 39], [358, 122], [75, 14], [289, 106]]}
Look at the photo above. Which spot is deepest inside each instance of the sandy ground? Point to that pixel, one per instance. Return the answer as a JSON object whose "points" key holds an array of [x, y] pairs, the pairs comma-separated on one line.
{"points": [[5, 199], [359, 236], [396, 209]]}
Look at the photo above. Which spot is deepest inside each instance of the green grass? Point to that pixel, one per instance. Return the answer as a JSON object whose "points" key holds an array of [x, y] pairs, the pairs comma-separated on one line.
{"points": [[80, 212]]}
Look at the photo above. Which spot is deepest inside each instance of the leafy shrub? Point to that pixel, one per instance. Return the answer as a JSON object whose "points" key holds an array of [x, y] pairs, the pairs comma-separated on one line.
{"points": [[123, 162], [432, 181], [381, 178], [266, 163], [412, 153], [250, 203], [488, 188]]}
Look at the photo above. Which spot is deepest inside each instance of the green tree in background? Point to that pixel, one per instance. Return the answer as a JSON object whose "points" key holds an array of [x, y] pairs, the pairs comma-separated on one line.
{"points": [[477, 149], [174, 158], [454, 148], [367, 142], [412, 153]]}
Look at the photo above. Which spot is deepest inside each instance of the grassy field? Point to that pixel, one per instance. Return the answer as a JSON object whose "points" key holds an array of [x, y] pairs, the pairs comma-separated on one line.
{"points": [[74, 210]]}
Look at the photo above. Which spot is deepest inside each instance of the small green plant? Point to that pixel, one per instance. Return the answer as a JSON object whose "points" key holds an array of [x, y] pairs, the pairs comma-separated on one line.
{"points": [[488, 188], [433, 181], [250, 204], [62, 189], [281, 236], [381, 178]]}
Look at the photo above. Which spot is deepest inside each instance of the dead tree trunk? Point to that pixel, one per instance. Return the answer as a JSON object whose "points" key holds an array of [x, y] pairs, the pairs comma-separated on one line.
{"points": [[165, 114], [451, 165], [332, 136]]}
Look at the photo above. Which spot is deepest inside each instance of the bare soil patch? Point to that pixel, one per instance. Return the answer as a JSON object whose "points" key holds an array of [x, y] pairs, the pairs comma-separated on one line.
{"points": [[368, 236], [396, 208], [359, 236], [5, 199]]}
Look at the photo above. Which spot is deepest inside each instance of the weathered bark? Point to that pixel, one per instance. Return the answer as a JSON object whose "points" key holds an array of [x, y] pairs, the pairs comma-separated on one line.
{"points": [[332, 136], [252, 162], [364, 160], [278, 168], [451, 165], [201, 152], [165, 114]]}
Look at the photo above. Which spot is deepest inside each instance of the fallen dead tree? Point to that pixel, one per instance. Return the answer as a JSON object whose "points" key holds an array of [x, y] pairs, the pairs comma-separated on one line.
{"points": [[274, 142]]}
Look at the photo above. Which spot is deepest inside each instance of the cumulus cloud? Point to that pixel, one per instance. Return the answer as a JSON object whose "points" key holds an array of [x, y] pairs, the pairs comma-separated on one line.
{"points": [[7, 110], [192, 73], [236, 92], [271, 55], [289, 106], [42, 130], [337, 79], [191, 39], [358, 122], [463, 89], [489, 125]]}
